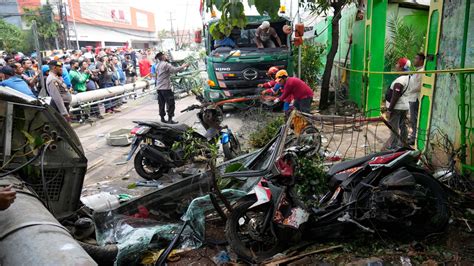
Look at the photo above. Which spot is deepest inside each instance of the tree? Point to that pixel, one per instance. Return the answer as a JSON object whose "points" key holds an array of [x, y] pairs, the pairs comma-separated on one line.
{"points": [[232, 14], [404, 41], [323, 7], [11, 37], [47, 27]]}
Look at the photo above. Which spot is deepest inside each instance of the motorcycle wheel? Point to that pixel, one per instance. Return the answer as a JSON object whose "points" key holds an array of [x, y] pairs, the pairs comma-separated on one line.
{"points": [[146, 169], [232, 148], [243, 232], [309, 136], [312, 137], [434, 214]]}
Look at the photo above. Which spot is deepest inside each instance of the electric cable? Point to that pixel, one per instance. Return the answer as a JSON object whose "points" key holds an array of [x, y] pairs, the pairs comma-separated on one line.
{"points": [[43, 178], [21, 166]]}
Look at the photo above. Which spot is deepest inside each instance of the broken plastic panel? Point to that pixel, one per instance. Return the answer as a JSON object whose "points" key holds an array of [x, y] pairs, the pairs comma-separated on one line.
{"points": [[137, 233]]}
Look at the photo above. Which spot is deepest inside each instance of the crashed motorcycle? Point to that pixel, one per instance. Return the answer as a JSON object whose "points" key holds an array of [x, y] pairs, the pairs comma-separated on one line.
{"points": [[157, 156], [383, 192]]}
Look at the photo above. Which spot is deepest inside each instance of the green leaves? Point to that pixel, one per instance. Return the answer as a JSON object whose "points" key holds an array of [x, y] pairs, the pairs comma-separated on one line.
{"points": [[193, 146], [403, 40], [47, 27], [262, 136], [311, 180], [234, 168], [10, 36], [233, 14], [270, 7], [311, 63]]}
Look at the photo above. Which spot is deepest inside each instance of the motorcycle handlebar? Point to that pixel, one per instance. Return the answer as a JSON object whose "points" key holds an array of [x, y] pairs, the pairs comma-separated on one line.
{"points": [[190, 108]]}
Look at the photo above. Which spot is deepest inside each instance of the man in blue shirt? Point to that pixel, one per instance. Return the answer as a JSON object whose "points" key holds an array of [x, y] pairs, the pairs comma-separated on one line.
{"points": [[15, 82], [65, 74]]}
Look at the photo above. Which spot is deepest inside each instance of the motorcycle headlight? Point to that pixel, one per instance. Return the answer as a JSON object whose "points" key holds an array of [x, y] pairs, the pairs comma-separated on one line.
{"points": [[214, 95]]}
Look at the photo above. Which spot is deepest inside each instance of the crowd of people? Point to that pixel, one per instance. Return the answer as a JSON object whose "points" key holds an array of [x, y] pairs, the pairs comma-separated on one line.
{"points": [[71, 72]]}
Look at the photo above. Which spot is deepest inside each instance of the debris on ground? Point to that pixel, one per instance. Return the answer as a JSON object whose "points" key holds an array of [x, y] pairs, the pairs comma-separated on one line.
{"points": [[148, 183], [221, 258], [102, 201], [120, 137], [144, 229]]}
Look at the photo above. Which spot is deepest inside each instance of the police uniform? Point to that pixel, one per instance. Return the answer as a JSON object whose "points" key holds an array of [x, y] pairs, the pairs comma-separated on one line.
{"points": [[60, 96]]}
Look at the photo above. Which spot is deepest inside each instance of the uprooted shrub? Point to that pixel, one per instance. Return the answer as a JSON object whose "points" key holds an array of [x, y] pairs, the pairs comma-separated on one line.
{"points": [[263, 135], [311, 181]]}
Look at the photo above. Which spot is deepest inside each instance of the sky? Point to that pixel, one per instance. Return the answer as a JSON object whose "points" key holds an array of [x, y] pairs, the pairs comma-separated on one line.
{"points": [[184, 12]]}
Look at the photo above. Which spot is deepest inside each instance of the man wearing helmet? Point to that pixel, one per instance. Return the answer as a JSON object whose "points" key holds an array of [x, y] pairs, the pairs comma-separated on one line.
{"points": [[272, 87], [296, 88], [264, 34], [271, 74]]}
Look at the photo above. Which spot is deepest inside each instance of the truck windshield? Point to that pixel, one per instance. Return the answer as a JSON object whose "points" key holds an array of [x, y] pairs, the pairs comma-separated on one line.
{"points": [[244, 39]]}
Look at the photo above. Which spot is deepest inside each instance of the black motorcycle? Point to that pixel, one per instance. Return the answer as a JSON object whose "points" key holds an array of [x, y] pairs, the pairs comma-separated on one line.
{"points": [[157, 156], [383, 192]]}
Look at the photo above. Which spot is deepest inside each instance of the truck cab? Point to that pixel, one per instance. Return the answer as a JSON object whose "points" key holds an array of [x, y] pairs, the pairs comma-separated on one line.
{"points": [[235, 72]]}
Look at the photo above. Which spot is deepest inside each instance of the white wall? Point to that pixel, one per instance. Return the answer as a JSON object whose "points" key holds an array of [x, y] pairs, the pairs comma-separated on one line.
{"points": [[87, 32]]}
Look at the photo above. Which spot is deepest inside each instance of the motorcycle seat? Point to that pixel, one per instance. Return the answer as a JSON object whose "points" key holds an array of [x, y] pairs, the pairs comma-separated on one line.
{"points": [[155, 124], [353, 163]]}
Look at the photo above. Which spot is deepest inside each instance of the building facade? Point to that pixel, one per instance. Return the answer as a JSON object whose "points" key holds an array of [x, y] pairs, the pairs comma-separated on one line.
{"points": [[105, 23], [110, 23]]}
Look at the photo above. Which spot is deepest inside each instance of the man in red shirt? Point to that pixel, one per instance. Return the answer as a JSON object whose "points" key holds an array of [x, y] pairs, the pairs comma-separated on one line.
{"points": [[145, 66], [296, 88]]}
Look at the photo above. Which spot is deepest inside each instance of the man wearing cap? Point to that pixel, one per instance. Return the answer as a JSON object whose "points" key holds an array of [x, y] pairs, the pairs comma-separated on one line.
{"points": [[397, 106], [264, 34], [57, 89], [14, 81], [296, 88], [65, 74], [163, 86]]}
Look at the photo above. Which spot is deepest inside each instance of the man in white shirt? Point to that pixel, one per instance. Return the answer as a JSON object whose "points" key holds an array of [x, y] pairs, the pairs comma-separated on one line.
{"points": [[413, 95], [397, 106]]}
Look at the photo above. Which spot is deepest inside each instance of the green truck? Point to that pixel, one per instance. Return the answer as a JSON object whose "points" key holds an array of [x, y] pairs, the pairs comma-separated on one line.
{"points": [[236, 72]]}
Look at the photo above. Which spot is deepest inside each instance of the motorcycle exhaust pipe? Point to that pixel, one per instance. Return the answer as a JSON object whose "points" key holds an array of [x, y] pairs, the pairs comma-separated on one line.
{"points": [[156, 156]]}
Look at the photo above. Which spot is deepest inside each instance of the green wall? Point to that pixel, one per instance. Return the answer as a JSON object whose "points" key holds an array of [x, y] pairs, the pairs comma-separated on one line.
{"points": [[356, 85], [446, 95], [446, 98]]}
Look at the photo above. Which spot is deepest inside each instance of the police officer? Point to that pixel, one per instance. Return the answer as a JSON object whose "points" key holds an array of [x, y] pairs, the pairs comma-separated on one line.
{"points": [[57, 89]]}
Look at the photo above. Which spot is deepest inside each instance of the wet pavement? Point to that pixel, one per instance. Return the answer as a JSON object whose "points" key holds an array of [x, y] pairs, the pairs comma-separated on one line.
{"points": [[107, 169]]}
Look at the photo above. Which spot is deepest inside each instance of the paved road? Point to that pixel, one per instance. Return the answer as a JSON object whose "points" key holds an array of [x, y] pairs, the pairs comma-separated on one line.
{"points": [[105, 171]]}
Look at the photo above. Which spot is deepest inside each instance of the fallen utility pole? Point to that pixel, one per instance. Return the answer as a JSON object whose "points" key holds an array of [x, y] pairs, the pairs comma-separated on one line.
{"points": [[89, 96]]}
